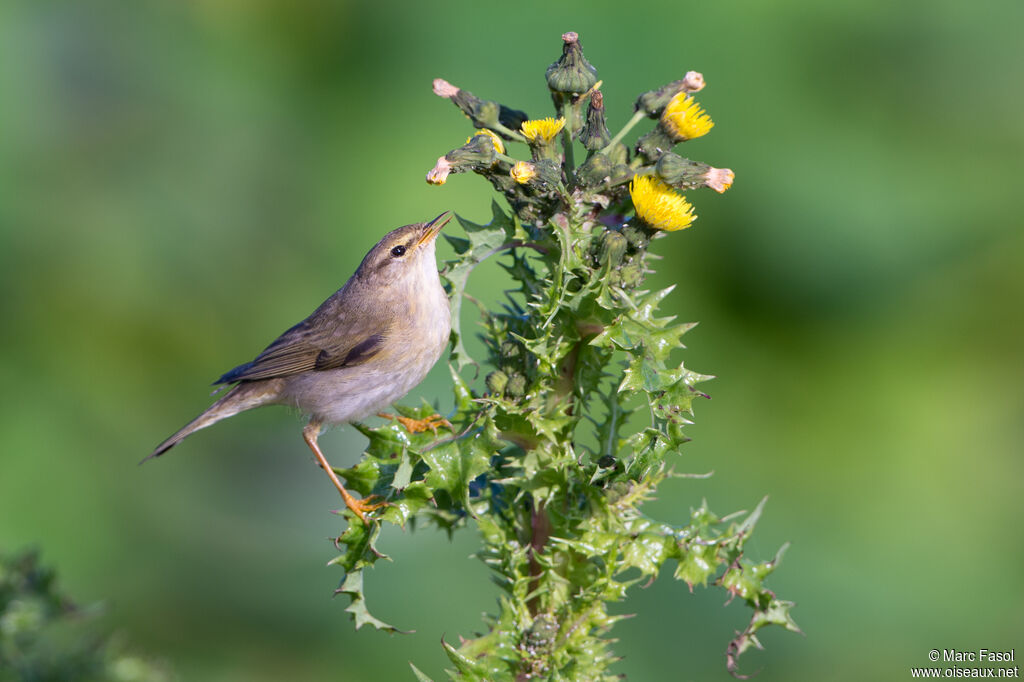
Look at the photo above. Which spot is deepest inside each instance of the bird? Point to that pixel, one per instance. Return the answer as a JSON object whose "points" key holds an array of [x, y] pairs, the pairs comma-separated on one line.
{"points": [[366, 346]]}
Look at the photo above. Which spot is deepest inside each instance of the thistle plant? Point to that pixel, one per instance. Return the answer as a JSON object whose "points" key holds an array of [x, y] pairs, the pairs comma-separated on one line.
{"points": [[582, 406]]}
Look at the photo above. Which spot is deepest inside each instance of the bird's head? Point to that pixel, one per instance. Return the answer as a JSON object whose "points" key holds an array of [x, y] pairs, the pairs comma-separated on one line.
{"points": [[404, 256]]}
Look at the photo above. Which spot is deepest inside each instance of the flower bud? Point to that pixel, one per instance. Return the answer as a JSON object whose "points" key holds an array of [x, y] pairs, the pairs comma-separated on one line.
{"points": [[618, 154], [680, 172], [438, 175], [719, 179], [499, 146], [686, 174], [637, 237], [613, 248], [595, 170], [479, 152], [621, 172], [654, 102], [631, 275], [516, 386], [549, 172], [655, 143], [496, 382], [572, 73], [594, 135], [509, 350], [522, 172], [483, 113]]}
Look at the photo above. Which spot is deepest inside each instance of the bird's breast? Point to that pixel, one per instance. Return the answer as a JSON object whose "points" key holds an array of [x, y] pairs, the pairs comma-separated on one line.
{"points": [[415, 341]]}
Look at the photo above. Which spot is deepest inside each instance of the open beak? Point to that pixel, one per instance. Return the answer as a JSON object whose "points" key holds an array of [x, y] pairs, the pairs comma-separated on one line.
{"points": [[433, 228]]}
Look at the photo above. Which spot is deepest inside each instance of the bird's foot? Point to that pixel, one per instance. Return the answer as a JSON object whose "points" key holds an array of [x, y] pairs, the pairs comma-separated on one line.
{"points": [[361, 507], [431, 423]]}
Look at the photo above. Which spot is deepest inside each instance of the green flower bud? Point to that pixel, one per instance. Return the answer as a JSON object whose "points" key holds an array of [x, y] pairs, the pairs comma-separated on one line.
{"points": [[632, 275], [637, 236], [655, 143], [516, 386], [571, 74], [654, 102], [542, 634], [594, 135], [496, 382], [549, 172], [613, 248], [483, 113], [509, 350], [686, 174], [479, 152], [622, 173], [682, 173], [618, 154], [595, 170]]}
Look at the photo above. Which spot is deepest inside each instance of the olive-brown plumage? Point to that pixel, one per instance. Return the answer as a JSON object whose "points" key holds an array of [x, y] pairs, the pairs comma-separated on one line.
{"points": [[366, 346]]}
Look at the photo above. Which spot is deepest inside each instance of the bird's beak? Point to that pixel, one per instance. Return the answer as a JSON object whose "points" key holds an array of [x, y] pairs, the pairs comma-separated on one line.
{"points": [[433, 228]]}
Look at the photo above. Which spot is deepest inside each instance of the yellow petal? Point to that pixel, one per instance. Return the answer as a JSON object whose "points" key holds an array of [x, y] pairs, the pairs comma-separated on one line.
{"points": [[684, 119], [523, 171], [542, 130], [660, 206]]}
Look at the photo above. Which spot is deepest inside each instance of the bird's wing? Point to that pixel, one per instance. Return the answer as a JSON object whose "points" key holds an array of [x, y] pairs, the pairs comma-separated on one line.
{"points": [[320, 342]]}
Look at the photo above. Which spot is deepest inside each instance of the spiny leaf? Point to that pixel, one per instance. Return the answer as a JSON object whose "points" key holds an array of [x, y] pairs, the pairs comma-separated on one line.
{"points": [[353, 587], [454, 465], [467, 668]]}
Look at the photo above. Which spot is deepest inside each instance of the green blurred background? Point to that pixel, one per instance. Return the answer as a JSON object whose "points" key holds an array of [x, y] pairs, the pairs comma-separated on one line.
{"points": [[181, 181]]}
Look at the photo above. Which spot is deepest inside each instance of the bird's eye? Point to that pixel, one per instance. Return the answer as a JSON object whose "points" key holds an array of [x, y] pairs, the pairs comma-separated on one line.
{"points": [[398, 251]]}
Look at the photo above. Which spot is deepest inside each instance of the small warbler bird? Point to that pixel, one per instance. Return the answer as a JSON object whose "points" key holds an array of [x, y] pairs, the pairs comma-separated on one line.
{"points": [[367, 345]]}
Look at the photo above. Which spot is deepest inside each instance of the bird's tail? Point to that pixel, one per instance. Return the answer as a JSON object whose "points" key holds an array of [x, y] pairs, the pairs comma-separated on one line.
{"points": [[241, 397]]}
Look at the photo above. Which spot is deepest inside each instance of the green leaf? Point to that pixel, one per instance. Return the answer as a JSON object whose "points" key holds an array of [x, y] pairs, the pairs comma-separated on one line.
{"points": [[359, 539], [641, 375], [453, 465], [646, 551], [407, 504], [777, 613], [467, 668], [403, 474], [353, 587], [698, 563]]}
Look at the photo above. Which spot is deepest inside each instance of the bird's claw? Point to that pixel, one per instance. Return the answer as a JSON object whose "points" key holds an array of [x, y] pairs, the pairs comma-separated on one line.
{"points": [[431, 423], [368, 504]]}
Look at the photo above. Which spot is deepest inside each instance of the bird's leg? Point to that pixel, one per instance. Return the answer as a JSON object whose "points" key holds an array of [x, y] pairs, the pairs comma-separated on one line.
{"points": [[411, 425], [359, 507]]}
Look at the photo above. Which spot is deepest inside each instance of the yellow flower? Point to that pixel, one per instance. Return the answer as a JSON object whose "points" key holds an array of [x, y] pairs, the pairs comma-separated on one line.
{"points": [[542, 130], [498, 145], [660, 206], [523, 171], [683, 118]]}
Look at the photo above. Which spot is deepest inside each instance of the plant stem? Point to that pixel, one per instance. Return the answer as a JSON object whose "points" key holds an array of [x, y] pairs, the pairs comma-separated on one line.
{"points": [[637, 117]]}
